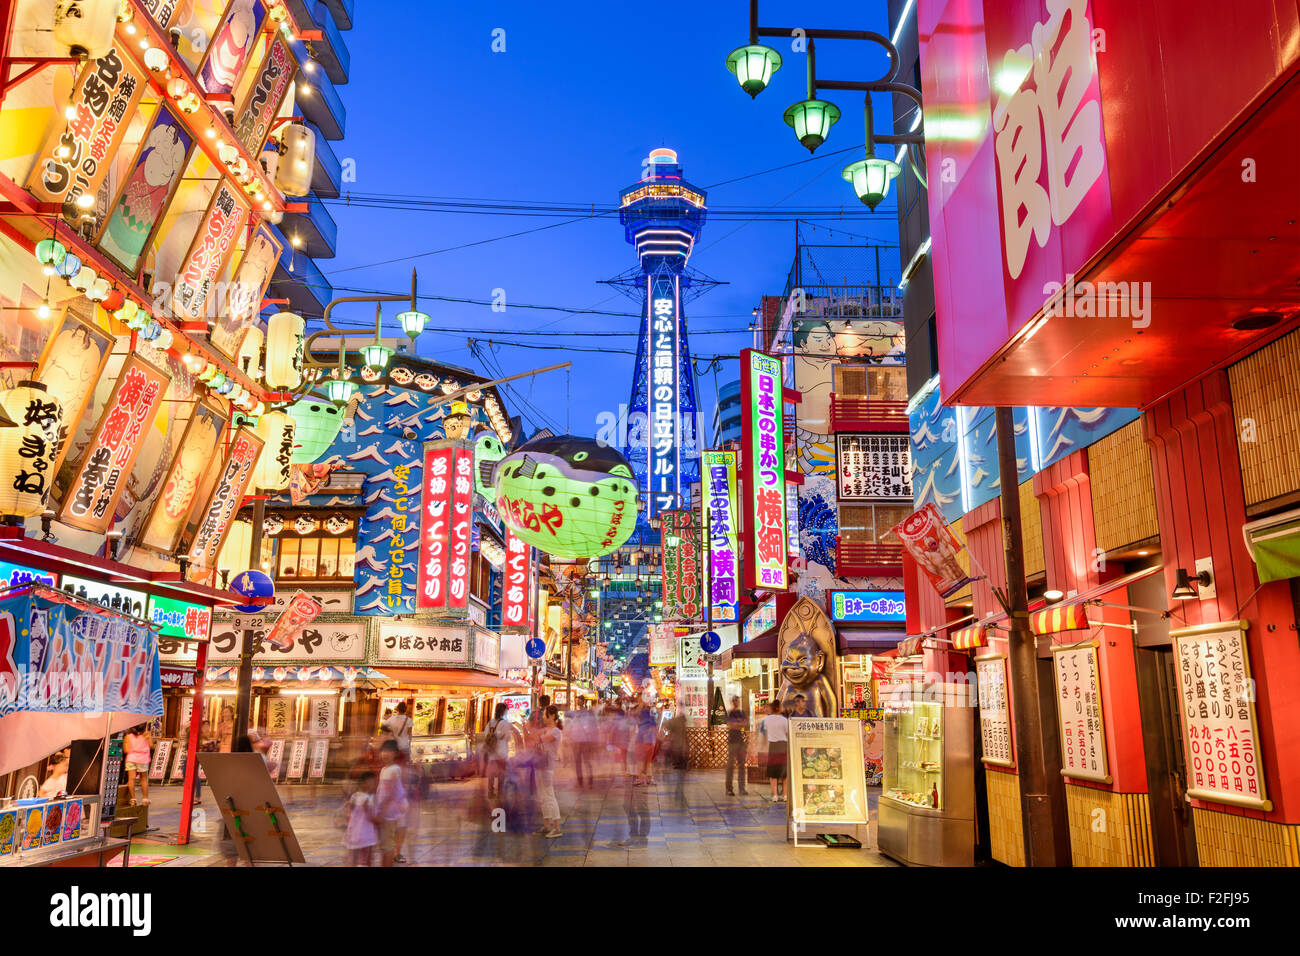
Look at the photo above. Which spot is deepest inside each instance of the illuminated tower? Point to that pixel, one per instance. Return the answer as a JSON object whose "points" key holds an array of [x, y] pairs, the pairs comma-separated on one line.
{"points": [[662, 216]]}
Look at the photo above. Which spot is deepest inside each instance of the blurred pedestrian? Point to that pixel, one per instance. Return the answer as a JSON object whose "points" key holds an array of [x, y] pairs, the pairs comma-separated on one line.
{"points": [[390, 805], [496, 751], [226, 729], [208, 743], [582, 731], [549, 741], [644, 735], [363, 822], [736, 749], [678, 754], [775, 730], [399, 727], [137, 747]]}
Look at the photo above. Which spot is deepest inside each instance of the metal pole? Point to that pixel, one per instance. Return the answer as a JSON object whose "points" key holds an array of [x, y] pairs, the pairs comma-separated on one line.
{"points": [[244, 693], [706, 528], [1036, 809], [192, 745], [568, 656]]}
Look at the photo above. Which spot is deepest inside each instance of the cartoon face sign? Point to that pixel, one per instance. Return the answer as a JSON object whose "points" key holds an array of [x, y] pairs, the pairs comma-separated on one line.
{"points": [[304, 524], [272, 524], [426, 381], [488, 450], [369, 374], [337, 524], [401, 375]]}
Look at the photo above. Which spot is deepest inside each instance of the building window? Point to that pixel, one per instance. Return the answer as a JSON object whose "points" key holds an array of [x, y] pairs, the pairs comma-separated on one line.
{"points": [[866, 524], [325, 557], [876, 384]]}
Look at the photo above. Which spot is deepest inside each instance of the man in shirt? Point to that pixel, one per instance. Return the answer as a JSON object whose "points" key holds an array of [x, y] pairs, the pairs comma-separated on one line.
{"points": [[735, 745], [399, 727], [801, 707]]}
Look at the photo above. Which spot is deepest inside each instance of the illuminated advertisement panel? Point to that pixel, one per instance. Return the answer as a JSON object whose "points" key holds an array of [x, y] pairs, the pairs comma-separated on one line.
{"points": [[763, 474], [663, 463], [718, 499]]}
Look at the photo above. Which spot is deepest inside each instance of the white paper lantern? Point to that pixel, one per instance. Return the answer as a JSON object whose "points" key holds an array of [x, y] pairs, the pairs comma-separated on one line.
{"points": [[27, 449], [237, 548], [293, 171], [284, 341], [85, 27], [249, 352], [277, 430]]}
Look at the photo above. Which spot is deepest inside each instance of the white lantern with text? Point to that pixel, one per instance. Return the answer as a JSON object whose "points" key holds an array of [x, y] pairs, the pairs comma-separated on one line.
{"points": [[284, 345], [27, 449]]}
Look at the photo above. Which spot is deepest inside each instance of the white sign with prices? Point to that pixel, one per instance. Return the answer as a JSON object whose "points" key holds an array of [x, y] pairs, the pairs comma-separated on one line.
{"points": [[693, 696], [422, 644], [875, 467], [995, 712], [827, 776], [1078, 710]]}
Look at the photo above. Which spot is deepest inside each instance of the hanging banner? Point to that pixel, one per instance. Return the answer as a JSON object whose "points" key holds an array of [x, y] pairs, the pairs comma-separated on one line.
{"points": [[199, 446], [875, 467], [262, 102], [232, 482], [929, 540], [1216, 695], [683, 573], [76, 157], [435, 528], [208, 254], [302, 610], [107, 462], [160, 11], [74, 358], [247, 287], [763, 476], [306, 480], [232, 43], [719, 501], [462, 520], [322, 716], [1078, 710], [516, 609], [147, 191]]}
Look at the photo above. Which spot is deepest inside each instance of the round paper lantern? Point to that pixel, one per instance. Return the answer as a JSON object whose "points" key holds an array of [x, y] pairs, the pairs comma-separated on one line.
{"points": [[27, 448], [237, 547], [255, 588], [69, 267], [83, 279], [318, 425], [293, 172], [278, 431], [570, 497], [284, 339]]}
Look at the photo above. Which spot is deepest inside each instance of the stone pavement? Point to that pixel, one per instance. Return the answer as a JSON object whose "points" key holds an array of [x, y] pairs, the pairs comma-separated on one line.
{"points": [[454, 828]]}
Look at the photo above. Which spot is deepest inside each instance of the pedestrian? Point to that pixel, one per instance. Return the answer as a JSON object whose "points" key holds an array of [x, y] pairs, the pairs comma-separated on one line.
{"points": [[57, 781], [496, 751], [363, 822], [645, 746], [582, 731], [736, 751], [390, 805], [678, 753], [801, 707], [226, 728], [137, 746], [548, 750], [775, 730], [399, 727], [208, 743]]}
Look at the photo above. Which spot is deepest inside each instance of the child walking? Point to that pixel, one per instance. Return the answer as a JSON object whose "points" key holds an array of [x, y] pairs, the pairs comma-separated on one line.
{"points": [[363, 832]]}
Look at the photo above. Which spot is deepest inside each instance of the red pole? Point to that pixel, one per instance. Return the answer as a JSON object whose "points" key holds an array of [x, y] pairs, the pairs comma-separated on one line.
{"points": [[192, 746]]}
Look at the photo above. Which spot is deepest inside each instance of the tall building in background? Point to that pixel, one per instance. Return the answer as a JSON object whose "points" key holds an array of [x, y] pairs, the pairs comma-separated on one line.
{"points": [[727, 415], [312, 234]]}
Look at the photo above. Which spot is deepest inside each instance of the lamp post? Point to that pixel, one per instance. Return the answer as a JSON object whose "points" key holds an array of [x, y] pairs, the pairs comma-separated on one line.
{"points": [[811, 119]]}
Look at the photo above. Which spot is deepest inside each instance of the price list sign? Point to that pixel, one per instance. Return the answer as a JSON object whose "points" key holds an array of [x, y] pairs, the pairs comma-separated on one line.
{"points": [[995, 712], [1078, 711], [1217, 699], [874, 467]]}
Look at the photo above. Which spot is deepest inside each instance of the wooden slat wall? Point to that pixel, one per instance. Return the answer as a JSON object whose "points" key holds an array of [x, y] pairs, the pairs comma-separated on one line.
{"points": [[1006, 838], [1031, 529], [1265, 389], [1123, 493], [1226, 839], [1107, 828]]}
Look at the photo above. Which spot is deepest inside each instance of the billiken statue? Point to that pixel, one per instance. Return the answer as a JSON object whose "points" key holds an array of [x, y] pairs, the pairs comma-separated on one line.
{"points": [[803, 667]]}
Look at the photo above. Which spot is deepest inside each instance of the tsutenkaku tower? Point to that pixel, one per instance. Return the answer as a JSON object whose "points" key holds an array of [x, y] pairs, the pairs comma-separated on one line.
{"points": [[662, 216]]}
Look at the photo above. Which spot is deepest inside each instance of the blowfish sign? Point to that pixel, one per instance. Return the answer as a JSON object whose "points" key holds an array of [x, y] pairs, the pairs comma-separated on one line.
{"points": [[58, 658], [110, 456], [445, 527], [764, 472], [516, 606], [719, 502], [662, 470]]}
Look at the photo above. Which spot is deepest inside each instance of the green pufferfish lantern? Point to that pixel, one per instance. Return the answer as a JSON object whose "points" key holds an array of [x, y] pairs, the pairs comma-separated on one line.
{"points": [[570, 497]]}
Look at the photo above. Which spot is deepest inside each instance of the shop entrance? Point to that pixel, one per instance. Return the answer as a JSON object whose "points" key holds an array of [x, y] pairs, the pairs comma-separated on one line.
{"points": [[1171, 814]]}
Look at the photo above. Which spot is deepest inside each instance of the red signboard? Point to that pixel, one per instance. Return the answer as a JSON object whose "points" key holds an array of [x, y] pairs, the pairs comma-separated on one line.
{"points": [[516, 598], [302, 610], [101, 477], [462, 528], [208, 253], [236, 472], [435, 524]]}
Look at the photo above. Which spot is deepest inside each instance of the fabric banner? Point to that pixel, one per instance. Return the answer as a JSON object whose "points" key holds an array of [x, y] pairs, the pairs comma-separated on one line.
{"points": [[232, 44], [199, 445], [69, 670], [232, 482], [930, 541], [302, 610], [683, 572]]}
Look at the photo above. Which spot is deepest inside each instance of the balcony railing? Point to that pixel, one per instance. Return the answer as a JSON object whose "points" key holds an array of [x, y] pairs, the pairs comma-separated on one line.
{"points": [[865, 415], [865, 559]]}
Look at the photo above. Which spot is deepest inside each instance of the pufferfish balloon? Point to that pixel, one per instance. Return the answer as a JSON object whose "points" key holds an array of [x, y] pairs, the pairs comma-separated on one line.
{"points": [[570, 497]]}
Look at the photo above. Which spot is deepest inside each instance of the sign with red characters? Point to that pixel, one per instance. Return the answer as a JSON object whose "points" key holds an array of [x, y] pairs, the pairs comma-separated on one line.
{"points": [[462, 528], [209, 252], [516, 598], [302, 610], [446, 525], [101, 477], [233, 481]]}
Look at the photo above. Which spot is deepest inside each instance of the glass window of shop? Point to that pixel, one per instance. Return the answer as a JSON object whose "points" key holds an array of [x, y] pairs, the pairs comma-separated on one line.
{"points": [[315, 558]]}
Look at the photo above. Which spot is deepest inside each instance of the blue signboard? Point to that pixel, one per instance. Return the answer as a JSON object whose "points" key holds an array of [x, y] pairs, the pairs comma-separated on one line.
{"points": [[868, 607], [710, 642], [536, 648], [12, 575]]}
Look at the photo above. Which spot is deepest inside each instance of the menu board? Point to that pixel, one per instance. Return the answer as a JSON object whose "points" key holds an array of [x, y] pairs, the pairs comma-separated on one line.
{"points": [[161, 754], [995, 712], [690, 658], [320, 750], [1078, 712], [297, 759], [827, 776], [1217, 699], [874, 467], [323, 716], [692, 697]]}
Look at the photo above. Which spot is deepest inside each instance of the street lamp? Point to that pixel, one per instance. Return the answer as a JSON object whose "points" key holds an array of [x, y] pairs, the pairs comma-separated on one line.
{"points": [[871, 178], [376, 354], [412, 322], [753, 66], [812, 120]]}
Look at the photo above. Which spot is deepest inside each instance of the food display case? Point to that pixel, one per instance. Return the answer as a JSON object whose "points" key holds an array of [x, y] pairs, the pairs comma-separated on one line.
{"points": [[927, 800], [444, 756], [40, 832]]}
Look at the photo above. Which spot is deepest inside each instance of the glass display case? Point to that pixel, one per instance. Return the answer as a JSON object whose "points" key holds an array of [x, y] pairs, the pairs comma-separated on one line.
{"points": [[926, 814]]}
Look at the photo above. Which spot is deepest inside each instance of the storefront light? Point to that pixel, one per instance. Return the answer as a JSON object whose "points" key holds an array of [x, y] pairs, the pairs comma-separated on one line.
{"points": [[871, 178], [811, 121], [753, 66]]}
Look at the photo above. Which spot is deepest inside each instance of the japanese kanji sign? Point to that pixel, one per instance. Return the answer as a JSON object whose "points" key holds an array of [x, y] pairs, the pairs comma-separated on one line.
{"points": [[462, 522], [435, 527], [236, 472], [101, 476], [763, 474], [1078, 711], [262, 102], [516, 596], [1216, 697], [995, 710], [683, 573], [718, 499], [422, 644], [302, 610], [76, 157], [215, 241], [663, 400], [874, 467]]}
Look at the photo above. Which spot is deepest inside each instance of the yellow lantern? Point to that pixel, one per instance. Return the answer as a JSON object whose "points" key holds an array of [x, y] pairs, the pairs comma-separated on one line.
{"points": [[284, 340], [293, 172], [236, 549], [277, 430], [27, 449], [85, 27]]}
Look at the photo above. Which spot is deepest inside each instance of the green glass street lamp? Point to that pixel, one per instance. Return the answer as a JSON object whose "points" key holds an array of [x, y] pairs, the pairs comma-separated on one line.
{"points": [[340, 390], [753, 66], [376, 354], [871, 178], [412, 322], [811, 121]]}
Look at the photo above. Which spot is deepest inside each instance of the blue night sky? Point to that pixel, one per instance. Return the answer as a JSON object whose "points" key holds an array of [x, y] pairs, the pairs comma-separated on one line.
{"points": [[567, 114]]}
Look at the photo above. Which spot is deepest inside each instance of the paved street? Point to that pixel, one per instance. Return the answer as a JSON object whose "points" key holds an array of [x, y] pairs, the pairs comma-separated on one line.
{"points": [[713, 830]]}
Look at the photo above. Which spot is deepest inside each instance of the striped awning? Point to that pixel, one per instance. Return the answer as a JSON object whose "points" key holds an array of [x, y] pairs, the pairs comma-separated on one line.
{"points": [[970, 637], [910, 647], [1050, 620]]}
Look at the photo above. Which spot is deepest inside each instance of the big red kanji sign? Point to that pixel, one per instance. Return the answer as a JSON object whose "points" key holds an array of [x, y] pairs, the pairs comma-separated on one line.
{"points": [[446, 525], [462, 527], [516, 598], [763, 474], [683, 572], [101, 477]]}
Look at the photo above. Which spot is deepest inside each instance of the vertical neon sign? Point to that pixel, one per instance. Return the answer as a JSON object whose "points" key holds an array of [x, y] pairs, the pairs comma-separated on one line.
{"points": [[764, 488], [663, 465]]}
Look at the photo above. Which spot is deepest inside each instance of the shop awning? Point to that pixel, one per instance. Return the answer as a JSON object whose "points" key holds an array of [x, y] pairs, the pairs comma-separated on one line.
{"points": [[1051, 620], [451, 677], [968, 638], [764, 646], [866, 640], [314, 676], [1274, 544], [911, 646]]}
